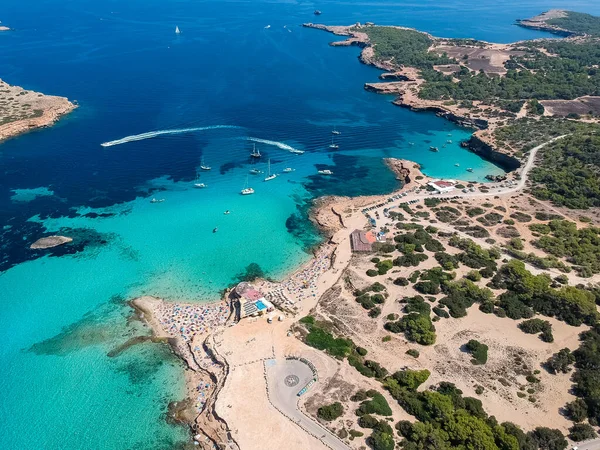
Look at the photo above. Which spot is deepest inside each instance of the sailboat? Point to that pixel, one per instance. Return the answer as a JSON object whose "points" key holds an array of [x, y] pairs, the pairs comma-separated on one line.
{"points": [[204, 166], [247, 190], [336, 131], [270, 177], [255, 153], [177, 30], [197, 184], [333, 144]]}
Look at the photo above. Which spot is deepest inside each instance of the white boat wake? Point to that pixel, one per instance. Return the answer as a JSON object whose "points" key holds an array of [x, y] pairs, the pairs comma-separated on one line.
{"points": [[153, 134], [280, 145]]}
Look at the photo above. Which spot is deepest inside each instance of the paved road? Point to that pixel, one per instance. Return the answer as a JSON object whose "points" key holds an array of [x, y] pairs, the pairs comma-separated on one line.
{"points": [[594, 444], [523, 175], [285, 398]]}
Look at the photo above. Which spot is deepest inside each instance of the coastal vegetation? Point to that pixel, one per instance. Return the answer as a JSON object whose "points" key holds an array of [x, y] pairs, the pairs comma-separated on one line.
{"points": [[577, 22], [580, 247], [330, 412], [568, 173], [478, 351]]}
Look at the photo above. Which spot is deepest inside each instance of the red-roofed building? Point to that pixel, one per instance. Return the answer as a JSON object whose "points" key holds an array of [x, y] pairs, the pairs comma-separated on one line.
{"points": [[442, 186], [362, 241]]}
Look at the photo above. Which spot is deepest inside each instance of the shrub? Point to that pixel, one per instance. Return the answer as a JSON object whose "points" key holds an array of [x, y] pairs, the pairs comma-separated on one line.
{"points": [[376, 405], [330, 412], [576, 410], [478, 351], [372, 272], [413, 352], [411, 379], [381, 441], [581, 432], [473, 275], [359, 396], [548, 439], [367, 421], [401, 281], [355, 434], [361, 351]]}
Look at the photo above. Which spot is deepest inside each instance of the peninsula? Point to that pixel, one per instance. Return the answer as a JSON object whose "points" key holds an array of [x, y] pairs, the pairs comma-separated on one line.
{"points": [[22, 111], [447, 314]]}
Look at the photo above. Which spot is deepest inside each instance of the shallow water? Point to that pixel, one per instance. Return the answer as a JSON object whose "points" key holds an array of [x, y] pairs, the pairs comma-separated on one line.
{"points": [[282, 88]]}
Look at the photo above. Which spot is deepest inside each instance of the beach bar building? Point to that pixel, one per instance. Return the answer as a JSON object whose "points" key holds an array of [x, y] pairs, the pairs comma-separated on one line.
{"points": [[251, 301], [362, 241], [442, 186]]}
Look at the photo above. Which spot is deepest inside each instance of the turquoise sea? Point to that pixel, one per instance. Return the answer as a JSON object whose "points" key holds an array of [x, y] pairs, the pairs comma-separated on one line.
{"points": [[233, 82]]}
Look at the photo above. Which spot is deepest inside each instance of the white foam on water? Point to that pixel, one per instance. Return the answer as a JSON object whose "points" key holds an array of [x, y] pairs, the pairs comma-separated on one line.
{"points": [[153, 134], [280, 145]]}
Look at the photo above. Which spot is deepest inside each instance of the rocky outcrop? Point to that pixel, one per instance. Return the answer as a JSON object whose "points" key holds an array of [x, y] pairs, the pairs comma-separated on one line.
{"points": [[487, 151], [49, 242]]}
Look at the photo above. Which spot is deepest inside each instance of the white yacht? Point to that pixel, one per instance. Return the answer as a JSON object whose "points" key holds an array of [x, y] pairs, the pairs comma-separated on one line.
{"points": [[247, 190], [288, 170], [333, 144], [297, 152], [255, 171], [270, 177], [325, 172], [334, 131], [203, 166], [177, 30]]}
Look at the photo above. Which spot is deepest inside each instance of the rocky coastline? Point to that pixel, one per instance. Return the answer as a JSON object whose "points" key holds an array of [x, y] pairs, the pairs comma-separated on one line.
{"points": [[24, 111], [404, 82], [540, 23]]}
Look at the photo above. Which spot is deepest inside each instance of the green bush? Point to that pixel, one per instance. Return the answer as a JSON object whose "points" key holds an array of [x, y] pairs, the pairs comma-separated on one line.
{"points": [[401, 281], [330, 412], [372, 272], [413, 352], [478, 351], [376, 405], [581, 432], [367, 421]]}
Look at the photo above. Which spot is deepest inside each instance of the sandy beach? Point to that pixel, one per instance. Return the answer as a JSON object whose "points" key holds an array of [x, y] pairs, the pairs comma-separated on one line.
{"points": [[225, 357]]}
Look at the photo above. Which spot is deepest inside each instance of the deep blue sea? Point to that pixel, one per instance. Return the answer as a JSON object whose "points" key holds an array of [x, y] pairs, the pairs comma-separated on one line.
{"points": [[239, 73]]}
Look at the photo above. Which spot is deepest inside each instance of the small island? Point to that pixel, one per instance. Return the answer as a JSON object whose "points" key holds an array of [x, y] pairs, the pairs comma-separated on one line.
{"points": [[50, 242], [22, 111]]}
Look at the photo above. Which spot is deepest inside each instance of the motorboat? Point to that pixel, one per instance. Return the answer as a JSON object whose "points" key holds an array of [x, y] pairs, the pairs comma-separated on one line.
{"points": [[325, 172], [434, 149], [288, 170]]}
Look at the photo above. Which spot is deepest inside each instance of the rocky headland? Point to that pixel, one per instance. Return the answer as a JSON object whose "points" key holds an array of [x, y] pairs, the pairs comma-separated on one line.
{"points": [[22, 111], [540, 22]]}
